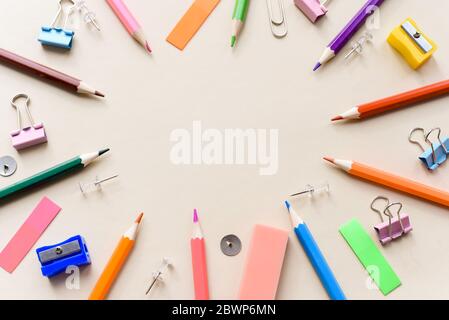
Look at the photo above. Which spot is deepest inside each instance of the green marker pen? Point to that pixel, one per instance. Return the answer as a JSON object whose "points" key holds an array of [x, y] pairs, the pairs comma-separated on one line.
{"points": [[238, 18]]}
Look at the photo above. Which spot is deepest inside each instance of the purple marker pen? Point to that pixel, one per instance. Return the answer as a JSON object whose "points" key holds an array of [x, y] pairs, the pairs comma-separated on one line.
{"points": [[348, 31]]}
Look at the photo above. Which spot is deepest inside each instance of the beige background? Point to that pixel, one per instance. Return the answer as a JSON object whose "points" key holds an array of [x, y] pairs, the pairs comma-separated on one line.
{"points": [[265, 83]]}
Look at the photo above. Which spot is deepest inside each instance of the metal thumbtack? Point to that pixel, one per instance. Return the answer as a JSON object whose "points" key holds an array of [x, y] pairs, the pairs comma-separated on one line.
{"points": [[157, 275], [277, 19], [96, 185], [312, 191], [231, 245], [357, 46], [8, 166], [89, 16]]}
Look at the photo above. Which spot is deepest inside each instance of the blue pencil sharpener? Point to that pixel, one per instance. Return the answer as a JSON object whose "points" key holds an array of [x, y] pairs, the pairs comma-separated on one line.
{"points": [[56, 258]]}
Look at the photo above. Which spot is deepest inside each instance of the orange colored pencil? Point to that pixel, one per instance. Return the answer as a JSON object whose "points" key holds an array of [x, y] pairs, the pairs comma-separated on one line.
{"points": [[116, 262], [392, 181], [395, 102]]}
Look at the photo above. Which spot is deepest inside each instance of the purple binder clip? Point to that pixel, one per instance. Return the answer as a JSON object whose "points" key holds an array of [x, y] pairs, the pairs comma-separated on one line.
{"points": [[395, 227], [29, 136], [313, 9]]}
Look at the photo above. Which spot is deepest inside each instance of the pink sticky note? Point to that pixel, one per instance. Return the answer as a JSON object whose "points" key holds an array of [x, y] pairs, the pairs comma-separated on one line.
{"points": [[264, 264], [28, 234]]}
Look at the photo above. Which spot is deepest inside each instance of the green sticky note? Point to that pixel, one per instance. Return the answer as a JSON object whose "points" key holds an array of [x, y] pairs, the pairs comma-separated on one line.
{"points": [[370, 256]]}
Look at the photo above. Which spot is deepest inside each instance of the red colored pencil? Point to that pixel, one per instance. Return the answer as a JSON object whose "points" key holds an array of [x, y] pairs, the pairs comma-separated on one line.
{"points": [[42, 71], [199, 265], [395, 102]]}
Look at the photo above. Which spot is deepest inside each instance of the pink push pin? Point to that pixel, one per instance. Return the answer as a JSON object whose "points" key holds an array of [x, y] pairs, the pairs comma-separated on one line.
{"points": [[312, 9], [25, 137], [395, 227]]}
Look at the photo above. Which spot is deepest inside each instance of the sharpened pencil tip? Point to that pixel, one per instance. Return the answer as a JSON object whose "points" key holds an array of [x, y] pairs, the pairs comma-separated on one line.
{"points": [[139, 218], [287, 204], [331, 160], [195, 215], [233, 39], [101, 152], [98, 93], [337, 118], [317, 66], [147, 46]]}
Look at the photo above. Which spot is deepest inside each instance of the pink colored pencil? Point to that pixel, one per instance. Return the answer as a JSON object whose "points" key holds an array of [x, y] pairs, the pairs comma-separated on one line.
{"points": [[130, 23], [199, 261]]}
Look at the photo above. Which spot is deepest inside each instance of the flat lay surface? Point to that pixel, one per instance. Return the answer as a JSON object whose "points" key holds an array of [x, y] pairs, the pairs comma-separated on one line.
{"points": [[263, 83]]}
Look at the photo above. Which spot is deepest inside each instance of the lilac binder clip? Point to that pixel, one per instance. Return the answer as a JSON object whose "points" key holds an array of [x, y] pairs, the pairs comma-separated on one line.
{"points": [[25, 137], [312, 9], [395, 227]]}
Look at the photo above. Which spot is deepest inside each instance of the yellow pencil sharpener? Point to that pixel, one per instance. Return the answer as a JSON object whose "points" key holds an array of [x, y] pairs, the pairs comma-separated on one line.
{"points": [[412, 44]]}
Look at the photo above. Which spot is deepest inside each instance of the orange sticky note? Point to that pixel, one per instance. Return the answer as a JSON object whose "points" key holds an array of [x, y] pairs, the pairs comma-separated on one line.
{"points": [[191, 22], [264, 264]]}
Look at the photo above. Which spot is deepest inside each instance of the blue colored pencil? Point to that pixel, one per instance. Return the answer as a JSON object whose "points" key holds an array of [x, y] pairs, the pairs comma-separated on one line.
{"points": [[315, 256]]}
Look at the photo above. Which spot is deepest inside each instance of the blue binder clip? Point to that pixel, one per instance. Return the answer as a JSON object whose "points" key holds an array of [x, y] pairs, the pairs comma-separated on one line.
{"points": [[438, 152], [56, 258], [60, 37]]}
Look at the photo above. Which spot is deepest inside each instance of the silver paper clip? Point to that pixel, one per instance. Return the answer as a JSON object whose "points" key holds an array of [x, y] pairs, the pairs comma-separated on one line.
{"points": [[395, 227], [277, 19], [438, 152], [158, 274]]}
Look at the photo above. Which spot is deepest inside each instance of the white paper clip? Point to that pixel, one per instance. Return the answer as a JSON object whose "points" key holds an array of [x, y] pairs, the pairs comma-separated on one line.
{"points": [[437, 153], [395, 227], [277, 19], [60, 37]]}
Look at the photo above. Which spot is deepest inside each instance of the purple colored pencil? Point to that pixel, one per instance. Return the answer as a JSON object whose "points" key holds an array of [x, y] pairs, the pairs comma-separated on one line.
{"points": [[348, 31]]}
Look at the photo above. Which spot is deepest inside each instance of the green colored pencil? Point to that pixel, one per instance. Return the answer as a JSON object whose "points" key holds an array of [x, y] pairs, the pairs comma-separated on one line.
{"points": [[238, 19], [79, 162]]}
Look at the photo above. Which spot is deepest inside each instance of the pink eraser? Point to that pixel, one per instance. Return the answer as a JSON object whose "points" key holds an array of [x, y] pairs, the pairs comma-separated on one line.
{"points": [[25, 238], [263, 264], [312, 9]]}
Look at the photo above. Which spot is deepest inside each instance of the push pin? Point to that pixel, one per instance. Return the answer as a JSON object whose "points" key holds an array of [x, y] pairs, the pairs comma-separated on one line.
{"points": [[96, 185], [312, 191], [8, 166], [357, 46], [89, 16], [231, 245], [158, 274]]}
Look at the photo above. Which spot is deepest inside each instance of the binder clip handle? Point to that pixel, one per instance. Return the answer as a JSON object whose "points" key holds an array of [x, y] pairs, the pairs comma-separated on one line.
{"points": [[390, 216], [379, 212], [61, 12], [19, 113], [439, 140]]}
